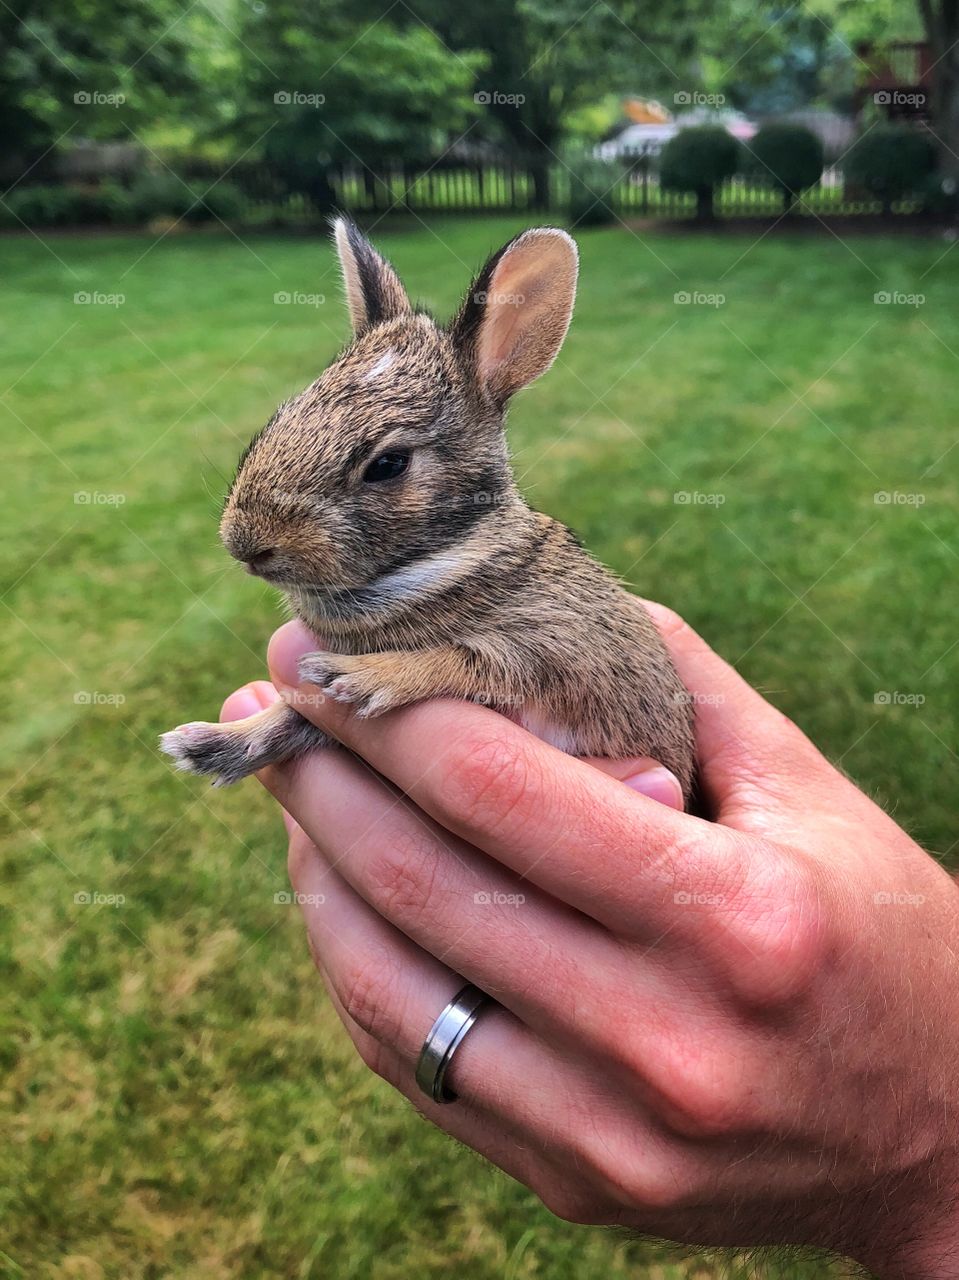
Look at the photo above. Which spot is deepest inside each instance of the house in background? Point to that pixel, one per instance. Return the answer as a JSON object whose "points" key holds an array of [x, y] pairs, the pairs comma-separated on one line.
{"points": [[649, 126]]}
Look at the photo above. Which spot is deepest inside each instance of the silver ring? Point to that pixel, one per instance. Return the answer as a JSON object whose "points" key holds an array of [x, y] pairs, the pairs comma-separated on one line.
{"points": [[446, 1035]]}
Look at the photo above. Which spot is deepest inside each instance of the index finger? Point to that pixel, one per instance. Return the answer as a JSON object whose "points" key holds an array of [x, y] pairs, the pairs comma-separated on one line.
{"points": [[580, 835]]}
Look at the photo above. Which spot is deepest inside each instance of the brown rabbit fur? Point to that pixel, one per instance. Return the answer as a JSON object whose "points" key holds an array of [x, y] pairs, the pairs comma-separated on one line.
{"points": [[381, 501]]}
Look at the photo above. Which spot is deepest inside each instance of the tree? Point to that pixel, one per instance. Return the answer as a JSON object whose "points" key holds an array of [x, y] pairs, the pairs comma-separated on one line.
{"points": [[320, 86], [891, 161], [788, 155], [547, 59], [88, 68], [697, 160], [941, 23]]}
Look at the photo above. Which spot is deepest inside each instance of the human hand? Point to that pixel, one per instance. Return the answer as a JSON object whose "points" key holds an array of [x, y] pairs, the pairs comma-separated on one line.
{"points": [[737, 1032]]}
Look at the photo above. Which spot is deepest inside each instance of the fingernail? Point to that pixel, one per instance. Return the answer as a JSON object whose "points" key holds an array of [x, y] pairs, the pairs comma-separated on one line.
{"points": [[246, 702], [658, 784], [288, 645]]}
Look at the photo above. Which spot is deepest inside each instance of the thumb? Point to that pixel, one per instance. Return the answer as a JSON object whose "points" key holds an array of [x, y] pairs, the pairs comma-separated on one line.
{"points": [[648, 777], [749, 753]]}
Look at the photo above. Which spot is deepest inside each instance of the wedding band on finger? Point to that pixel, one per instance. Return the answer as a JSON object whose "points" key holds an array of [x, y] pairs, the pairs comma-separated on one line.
{"points": [[445, 1037]]}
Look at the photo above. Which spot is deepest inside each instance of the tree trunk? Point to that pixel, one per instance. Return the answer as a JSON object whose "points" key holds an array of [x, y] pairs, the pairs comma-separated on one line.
{"points": [[704, 205], [941, 22], [945, 121], [539, 176]]}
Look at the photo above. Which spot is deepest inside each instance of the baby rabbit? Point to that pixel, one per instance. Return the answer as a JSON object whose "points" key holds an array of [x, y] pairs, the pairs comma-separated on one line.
{"points": [[381, 502]]}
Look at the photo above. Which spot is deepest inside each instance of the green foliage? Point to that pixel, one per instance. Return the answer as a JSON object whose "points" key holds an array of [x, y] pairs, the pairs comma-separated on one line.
{"points": [[891, 162], [697, 159], [789, 156], [163, 195], [154, 195], [590, 195], [95, 69], [319, 87], [65, 206], [182, 1100]]}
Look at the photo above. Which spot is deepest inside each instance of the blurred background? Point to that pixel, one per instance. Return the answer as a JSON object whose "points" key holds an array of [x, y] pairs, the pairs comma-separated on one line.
{"points": [[754, 419]]}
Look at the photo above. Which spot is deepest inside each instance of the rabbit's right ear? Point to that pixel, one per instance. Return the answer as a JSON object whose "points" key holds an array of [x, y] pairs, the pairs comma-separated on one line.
{"points": [[514, 319], [373, 289]]}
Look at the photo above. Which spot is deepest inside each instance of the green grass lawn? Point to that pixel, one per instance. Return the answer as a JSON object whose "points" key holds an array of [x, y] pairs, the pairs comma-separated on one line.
{"points": [[183, 1101]]}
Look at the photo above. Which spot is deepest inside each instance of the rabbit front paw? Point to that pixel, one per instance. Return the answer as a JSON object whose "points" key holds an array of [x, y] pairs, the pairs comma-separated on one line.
{"points": [[364, 680]]}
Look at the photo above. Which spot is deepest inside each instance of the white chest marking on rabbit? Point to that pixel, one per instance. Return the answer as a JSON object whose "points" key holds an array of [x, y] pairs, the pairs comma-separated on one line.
{"points": [[421, 576], [431, 573], [381, 366]]}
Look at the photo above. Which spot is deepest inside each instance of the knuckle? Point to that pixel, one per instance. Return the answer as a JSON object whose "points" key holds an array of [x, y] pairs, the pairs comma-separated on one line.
{"points": [[652, 1186], [567, 1204], [706, 1096], [401, 876], [630, 1175], [772, 938], [490, 781], [368, 992]]}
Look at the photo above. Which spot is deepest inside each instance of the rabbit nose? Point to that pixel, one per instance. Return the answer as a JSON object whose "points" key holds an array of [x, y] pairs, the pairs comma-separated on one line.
{"points": [[260, 560]]}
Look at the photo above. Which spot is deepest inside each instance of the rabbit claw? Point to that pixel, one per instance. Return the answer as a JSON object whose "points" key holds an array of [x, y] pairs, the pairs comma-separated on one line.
{"points": [[353, 679]]}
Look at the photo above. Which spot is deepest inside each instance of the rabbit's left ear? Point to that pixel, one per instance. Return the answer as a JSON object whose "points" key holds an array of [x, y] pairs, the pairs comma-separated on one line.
{"points": [[514, 318], [373, 289]]}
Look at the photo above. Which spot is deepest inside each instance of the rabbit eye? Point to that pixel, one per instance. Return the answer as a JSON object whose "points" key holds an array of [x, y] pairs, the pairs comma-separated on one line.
{"points": [[386, 467]]}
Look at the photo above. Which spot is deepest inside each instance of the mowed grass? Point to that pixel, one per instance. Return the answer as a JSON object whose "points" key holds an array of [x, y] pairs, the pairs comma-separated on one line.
{"points": [[178, 1097]]}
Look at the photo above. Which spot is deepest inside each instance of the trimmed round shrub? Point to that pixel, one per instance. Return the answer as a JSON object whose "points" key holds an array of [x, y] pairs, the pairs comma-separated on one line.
{"points": [[590, 195], [789, 157], [698, 159], [940, 196], [891, 162]]}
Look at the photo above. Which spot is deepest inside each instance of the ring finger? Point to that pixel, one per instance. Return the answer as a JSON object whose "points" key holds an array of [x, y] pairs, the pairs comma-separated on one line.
{"points": [[505, 1077]]}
